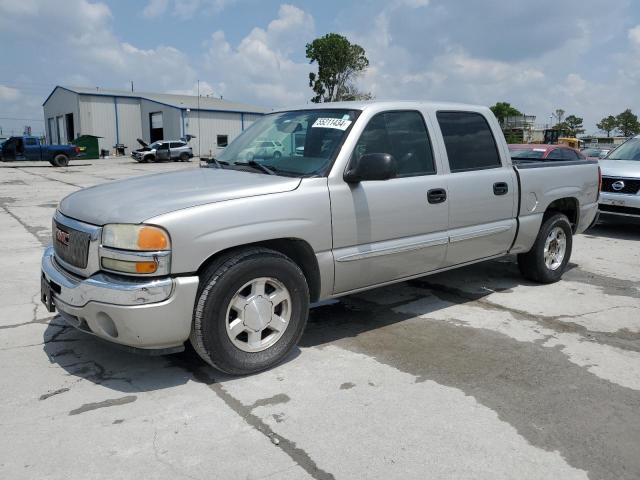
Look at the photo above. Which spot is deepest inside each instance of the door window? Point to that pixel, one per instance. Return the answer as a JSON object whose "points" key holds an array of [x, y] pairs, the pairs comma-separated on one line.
{"points": [[569, 154], [402, 134], [30, 142], [469, 142]]}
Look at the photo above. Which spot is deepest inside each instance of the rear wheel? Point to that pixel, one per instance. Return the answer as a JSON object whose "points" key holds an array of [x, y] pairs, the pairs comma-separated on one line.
{"points": [[548, 259], [60, 160], [251, 311]]}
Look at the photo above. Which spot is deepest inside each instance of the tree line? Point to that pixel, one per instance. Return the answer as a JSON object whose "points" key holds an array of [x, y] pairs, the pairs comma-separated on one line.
{"points": [[625, 123]]}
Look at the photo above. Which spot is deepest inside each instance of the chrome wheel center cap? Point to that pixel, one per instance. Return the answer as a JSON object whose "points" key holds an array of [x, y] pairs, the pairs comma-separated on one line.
{"points": [[257, 313]]}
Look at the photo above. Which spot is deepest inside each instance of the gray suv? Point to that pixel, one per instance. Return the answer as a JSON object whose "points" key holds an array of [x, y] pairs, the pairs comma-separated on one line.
{"points": [[179, 151]]}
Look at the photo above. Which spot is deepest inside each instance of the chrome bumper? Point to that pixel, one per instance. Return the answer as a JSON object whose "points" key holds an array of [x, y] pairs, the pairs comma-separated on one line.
{"points": [[145, 313]]}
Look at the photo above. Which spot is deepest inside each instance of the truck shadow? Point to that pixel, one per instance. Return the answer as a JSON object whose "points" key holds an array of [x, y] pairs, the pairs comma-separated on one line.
{"points": [[86, 357]]}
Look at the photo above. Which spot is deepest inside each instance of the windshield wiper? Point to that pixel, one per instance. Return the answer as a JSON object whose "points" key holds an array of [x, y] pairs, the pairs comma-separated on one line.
{"points": [[216, 162], [259, 166]]}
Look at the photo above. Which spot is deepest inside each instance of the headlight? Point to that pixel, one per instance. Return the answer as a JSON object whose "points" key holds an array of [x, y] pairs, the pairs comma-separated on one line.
{"points": [[135, 237], [135, 249]]}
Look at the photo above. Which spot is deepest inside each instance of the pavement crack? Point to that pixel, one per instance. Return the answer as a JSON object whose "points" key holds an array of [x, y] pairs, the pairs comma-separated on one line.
{"points": [[112, 402], [171, 466], [297, 454], [51, 394], [275, 400]]}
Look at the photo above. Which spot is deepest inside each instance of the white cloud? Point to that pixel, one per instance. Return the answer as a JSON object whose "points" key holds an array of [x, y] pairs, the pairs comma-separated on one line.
{"points": [[155, 8], [261, 69], [634, 35], [9, 93]]}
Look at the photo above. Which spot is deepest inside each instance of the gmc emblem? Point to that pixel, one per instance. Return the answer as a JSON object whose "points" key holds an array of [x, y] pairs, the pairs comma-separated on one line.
{"points": [[62, 237]]}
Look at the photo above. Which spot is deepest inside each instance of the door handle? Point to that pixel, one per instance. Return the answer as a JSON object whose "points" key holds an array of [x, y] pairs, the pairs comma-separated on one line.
{"points": [[500, 188], [436, 195]]}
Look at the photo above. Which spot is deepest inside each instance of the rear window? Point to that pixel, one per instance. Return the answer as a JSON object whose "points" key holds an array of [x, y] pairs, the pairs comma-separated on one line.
{"points": [[469, 142], [532, 153]]}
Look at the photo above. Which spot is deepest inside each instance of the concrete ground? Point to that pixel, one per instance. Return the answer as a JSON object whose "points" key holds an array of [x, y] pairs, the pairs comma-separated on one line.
{"points": [[475, 373]]}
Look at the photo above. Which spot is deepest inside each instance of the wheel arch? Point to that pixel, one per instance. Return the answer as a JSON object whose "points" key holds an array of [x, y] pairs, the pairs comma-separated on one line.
{"points": [[569, 206], [298, 250]]}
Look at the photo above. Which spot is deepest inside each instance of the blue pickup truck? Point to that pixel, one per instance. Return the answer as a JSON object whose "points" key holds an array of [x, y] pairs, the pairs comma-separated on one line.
{"points": [[30, 148]]}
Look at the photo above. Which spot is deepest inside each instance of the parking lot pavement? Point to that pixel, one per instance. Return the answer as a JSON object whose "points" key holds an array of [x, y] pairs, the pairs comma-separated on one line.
{"points": [[474, 373]]}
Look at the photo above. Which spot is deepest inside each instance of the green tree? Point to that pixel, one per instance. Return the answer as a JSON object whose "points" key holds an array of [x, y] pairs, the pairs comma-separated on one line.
{"points": [[503, 110], [573, 125], [608, 124], [628, 123], [339, 63]]}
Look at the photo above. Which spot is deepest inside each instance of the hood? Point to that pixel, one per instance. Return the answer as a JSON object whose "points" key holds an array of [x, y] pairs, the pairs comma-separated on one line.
{"points": [[620, 168], [137, 199], [142, 142]]}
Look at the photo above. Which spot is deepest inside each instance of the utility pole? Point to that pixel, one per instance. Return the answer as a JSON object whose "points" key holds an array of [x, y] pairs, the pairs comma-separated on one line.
{"points": [[132, 85], [198, 117]]}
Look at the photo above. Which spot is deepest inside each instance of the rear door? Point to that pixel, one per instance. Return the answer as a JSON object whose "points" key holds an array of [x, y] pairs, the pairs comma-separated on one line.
{"points": [[163, 152], [482, 189], [386, 230]]}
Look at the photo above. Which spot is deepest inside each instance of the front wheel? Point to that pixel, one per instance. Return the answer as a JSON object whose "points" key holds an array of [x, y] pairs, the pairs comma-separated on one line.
{"points": [[548, 258], [184, 157], [251, 311]]}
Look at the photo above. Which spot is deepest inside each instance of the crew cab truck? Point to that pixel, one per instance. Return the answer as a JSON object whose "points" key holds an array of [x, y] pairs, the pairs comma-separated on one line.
{"points": [[30, 148], [229, 258]]}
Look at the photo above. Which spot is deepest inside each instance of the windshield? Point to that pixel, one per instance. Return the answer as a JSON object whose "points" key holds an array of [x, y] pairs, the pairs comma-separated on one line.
{"points": [[527, 152], [630, 150], [300, 143], [155, 145]]}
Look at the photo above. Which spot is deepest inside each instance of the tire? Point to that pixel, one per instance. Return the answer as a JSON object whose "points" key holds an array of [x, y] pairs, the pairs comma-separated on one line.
{"points": [[277, 154], [232, 278], [533, 265], [60, 160], [149, 159], [184, 157]]}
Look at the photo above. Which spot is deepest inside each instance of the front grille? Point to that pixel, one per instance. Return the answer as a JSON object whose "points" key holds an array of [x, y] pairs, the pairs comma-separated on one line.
{"points": [[631, 186], [76, 253], [618, 209]]}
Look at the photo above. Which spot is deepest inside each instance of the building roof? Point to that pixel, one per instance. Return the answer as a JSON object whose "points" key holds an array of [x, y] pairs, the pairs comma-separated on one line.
{"points": [[178, 101]]}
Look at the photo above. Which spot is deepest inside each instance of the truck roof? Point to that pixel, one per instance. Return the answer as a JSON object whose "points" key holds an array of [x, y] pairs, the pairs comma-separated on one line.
{"points": [[389, 105]]}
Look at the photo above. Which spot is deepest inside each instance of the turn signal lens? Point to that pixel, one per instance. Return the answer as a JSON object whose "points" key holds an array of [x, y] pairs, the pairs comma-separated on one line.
{"points": [[129, 267], [152, 238]]}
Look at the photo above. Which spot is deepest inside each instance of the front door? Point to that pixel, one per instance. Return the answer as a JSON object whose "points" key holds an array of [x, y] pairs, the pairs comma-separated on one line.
{"points": [[387, 230], [482, 190], [31, 148]]}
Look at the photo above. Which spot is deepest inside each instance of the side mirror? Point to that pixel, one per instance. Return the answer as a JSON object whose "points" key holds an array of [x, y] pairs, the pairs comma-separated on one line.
{"points": [[371, 166]]}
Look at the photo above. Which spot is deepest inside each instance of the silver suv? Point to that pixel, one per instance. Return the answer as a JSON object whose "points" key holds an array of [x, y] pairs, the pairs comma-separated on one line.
{"points": [[621, 181], [179, 151]]}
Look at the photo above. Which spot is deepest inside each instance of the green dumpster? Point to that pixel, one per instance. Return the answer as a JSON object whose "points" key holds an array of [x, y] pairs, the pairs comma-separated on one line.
{"points": [[88, 146]]}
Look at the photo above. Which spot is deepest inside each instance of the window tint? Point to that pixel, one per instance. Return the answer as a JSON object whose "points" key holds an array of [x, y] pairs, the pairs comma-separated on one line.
{"points": [[174, 145], [222, 140], [569, 154], [556, 154], [469, 141], [403, 135], [31, 141]]}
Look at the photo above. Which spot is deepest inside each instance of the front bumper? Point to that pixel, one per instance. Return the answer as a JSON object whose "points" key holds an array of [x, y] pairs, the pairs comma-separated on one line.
{"points": [[620, 204], [150, 314]]}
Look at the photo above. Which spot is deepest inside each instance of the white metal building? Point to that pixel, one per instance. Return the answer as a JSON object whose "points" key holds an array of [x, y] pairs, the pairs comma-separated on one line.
{"points": [[120, 117]]}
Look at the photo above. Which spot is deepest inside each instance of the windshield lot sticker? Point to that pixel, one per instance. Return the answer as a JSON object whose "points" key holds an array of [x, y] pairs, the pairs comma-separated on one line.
{"points": [[337, 123]]}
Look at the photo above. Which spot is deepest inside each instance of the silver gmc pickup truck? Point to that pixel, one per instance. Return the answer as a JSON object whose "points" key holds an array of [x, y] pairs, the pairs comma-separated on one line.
{"points": [[364, 194]]}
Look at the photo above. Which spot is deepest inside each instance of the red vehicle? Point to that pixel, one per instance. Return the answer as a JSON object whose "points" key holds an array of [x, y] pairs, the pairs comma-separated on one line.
{"points": [[534, 151]]}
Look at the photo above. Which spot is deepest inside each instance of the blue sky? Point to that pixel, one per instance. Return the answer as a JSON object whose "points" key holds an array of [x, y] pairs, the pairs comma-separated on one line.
{"points": [[579, 55]]}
